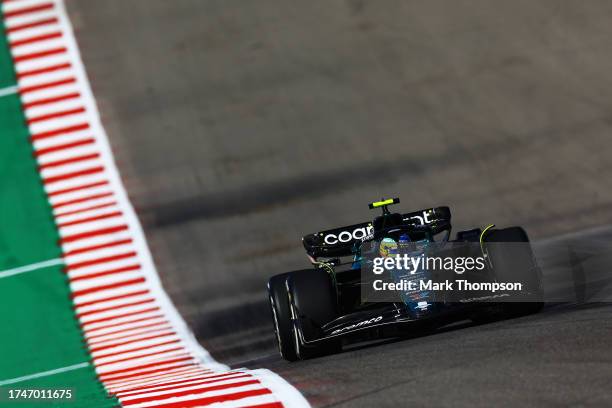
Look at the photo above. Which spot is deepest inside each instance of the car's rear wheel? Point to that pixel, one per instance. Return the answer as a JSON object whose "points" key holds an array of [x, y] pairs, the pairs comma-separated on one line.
{"points": [[314, 303], [514, 262]]}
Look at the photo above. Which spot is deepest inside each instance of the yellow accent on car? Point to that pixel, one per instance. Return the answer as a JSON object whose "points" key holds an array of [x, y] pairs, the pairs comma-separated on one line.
{"points": [[484, 231], [381, 203], [482, 234]]}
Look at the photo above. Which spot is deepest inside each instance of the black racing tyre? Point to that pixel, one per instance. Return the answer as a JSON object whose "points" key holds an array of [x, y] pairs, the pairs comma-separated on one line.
{"points": [[281, 316], [513, 263], [314, 301]]}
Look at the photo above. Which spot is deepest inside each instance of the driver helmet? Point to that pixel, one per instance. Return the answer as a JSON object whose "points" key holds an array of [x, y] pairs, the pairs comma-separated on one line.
{"points": [[388, 247]]}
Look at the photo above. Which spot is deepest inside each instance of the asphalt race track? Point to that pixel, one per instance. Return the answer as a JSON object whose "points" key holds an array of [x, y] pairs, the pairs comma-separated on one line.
{"points": [[241, 126]]}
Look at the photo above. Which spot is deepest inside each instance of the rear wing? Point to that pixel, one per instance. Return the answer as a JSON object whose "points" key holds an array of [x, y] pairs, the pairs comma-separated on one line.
{"points": [[340, 241]]}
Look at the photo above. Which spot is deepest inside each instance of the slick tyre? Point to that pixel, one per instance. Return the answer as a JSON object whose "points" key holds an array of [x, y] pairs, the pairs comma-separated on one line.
{"points": [[514, 262], [314, 302], [281, 316]]}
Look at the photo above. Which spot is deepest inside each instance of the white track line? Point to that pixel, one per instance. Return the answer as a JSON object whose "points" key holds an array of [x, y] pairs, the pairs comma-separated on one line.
{"points": [[10, 90], [44, 374], [31, 267]]}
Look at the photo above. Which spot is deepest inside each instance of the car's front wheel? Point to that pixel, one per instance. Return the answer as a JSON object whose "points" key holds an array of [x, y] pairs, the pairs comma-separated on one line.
{"points": [[313, 301], [281, 316]]}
